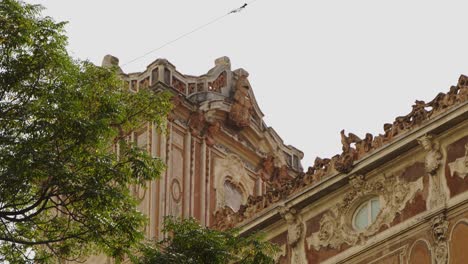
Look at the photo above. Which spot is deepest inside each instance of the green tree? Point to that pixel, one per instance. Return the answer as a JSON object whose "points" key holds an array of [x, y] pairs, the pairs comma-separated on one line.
{"points": [[188, 242], [63, 191]]}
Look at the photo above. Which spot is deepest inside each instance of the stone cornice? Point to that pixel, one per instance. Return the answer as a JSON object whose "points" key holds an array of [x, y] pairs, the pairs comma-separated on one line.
{"points": [[311, 194]]}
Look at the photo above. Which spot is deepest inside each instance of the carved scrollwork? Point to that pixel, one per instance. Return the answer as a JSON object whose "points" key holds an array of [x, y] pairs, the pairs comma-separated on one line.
{"points": [[335, 225]]}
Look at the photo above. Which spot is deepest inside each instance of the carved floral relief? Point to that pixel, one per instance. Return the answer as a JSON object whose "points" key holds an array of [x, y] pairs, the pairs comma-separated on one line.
{"points": [[336, 225]]}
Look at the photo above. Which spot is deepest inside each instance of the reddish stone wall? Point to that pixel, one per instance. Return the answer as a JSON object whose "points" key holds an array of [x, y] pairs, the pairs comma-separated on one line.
{"points": [[411, 173], [455, 183], [317, 256], [418, 204], [280, 240], [459, 244], [420, 254]]}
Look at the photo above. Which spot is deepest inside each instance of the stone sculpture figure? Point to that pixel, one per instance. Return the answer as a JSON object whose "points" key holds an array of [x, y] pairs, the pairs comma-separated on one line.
{"points": [[196, 122], [296, 234], [212, 130], [267, 169], [346, 141], [432, 163], [433, 158], [241, 108], [364, 146], [463, 89], [418, 113]]}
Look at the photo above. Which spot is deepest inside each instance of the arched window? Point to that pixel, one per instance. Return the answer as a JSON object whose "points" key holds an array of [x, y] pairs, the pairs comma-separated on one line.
{"points": [[366, 214], [232, 196]]}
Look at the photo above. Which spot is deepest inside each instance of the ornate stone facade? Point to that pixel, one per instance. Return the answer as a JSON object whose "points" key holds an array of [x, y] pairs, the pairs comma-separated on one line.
{"points": [[399, 197], [396, 197]]}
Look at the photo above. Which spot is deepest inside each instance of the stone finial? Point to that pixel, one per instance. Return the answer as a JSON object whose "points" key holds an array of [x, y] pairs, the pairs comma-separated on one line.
{"points": [[110, 61], [223, 61]]}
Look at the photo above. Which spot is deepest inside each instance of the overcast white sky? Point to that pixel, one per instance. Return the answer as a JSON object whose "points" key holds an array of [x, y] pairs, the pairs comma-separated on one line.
{"points": [[316, 67]]}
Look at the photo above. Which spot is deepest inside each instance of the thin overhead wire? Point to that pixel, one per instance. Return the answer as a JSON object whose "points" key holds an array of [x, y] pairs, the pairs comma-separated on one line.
{"points": [[234, 11]]}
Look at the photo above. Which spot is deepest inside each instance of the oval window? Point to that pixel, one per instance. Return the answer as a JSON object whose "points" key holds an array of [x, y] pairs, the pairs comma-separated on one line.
{"points": [[366, 214]]}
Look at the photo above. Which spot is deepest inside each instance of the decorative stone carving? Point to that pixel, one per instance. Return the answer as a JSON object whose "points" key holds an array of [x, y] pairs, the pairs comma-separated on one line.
{"points": [[433, 157], [418, 113], [463, 89], [344, 162], [432, 163], [346, 141], [336, 224], [439, 234], [196, 122], [460, 165], [224, 218], [231, 169], [267, 169], [212, 130], [295, 234], [281, 253], [364, 146], [241, 108], [274, 172], [176, 190]]}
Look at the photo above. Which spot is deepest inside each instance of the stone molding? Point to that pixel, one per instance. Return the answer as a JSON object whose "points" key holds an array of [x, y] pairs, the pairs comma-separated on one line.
{"points": [[355, 149]]}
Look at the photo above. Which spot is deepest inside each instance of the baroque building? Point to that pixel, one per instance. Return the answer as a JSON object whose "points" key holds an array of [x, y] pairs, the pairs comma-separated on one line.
{"points": [[397, 197]]}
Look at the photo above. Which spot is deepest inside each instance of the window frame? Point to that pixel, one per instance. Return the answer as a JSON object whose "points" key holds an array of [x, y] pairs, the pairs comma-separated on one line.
{"points": [[370, 221]]}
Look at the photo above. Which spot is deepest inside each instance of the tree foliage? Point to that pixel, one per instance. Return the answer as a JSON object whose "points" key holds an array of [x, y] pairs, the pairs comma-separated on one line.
{"points": [[187, 242], [63, 191]]}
